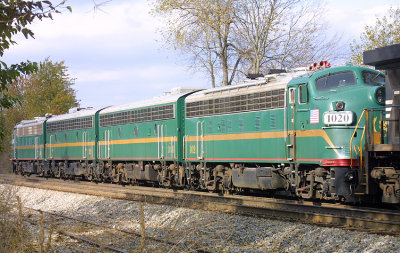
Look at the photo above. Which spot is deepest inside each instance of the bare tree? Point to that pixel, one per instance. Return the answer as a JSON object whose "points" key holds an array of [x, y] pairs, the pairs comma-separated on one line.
{"points": [[223, 37], [281, 34], [203, 29]]}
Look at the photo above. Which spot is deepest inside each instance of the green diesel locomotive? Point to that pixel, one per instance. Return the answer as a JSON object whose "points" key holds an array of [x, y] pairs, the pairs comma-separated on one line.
{"points": [[294, 133]]}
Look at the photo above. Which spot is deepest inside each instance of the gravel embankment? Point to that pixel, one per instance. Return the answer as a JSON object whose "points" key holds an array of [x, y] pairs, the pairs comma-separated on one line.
{"points": [[194, 229]]}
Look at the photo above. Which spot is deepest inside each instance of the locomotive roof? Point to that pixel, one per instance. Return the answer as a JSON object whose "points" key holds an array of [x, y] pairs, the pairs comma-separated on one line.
{"points": [[33, 122], [268, 82], [167, 97], [76, 114]]}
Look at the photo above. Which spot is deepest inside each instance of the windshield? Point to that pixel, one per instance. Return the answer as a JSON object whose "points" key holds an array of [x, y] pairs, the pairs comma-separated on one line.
{"points": [[373, 78], [335, 80]]}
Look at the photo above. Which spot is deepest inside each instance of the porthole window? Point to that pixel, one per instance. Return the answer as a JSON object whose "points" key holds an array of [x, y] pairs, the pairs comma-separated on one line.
{"points": [[210, 126], [241, 124], [155, 129], [257, 124]]}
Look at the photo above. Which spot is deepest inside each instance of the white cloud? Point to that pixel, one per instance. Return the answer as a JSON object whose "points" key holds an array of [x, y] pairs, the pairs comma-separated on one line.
{"points": [[124, 26], [349, 18], [152, 72]]}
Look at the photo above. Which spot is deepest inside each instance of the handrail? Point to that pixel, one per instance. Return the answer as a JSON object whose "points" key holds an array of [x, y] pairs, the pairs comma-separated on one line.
{"points": [[352, 137], [361, 146]]}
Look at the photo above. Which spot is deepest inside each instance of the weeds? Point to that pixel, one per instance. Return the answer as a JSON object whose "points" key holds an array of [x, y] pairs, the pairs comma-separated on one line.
{"points": [[142, 227], [14, 236], [42, 247]]}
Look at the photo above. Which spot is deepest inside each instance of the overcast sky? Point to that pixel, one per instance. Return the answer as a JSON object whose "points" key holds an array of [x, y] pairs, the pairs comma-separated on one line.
{"points": [[117, 55]]}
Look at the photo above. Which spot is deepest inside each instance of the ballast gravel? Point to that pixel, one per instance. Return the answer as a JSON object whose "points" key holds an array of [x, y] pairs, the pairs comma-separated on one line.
{"points": [[192, 230]]}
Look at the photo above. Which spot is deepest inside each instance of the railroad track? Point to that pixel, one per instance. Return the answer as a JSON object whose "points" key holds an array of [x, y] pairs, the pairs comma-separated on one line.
{"points": [[350, 217], [102, 245]]}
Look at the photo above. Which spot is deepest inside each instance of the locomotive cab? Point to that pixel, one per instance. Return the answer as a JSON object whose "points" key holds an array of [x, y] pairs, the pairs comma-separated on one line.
{"points": [[322, 129]]}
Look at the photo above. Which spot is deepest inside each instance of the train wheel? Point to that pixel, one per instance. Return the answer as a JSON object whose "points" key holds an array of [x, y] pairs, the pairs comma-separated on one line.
{"points": [[115, 176], [89, 177], [57, 173]]}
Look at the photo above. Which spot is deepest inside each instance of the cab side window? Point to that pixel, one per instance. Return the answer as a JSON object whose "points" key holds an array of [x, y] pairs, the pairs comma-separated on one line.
{"points": [[303, 94]]}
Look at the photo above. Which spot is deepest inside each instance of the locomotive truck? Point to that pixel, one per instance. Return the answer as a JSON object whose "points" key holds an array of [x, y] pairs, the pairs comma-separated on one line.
{"points": [[297, 133]]}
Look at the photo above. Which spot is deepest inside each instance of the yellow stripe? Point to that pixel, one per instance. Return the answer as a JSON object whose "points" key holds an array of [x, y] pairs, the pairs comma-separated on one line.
{"points": [[266, 135], [60, 145], [29, 147], [76, 144], [141, 140], [221, 137], [244, 136]]}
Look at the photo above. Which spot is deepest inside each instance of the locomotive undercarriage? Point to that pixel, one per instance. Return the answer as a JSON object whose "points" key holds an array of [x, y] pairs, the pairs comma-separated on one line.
{"points": [[386, 174], [26, 167], [302, 181]]}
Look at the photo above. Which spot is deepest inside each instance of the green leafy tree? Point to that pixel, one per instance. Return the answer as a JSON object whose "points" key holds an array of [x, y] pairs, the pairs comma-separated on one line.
{"points": [[49, 90], [15, 18], [385, 32]]}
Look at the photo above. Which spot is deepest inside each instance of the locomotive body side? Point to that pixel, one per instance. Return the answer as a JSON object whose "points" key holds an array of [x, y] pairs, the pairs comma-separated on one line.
{"points": [[236, 126], [70, 143], [28, 144], [143, 140], [235, 134]]}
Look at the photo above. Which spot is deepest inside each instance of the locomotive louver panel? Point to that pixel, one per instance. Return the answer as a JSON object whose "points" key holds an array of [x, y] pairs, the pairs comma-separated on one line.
{"points": [[139, 115], [72, 124], [31, 130], [241, 103]]}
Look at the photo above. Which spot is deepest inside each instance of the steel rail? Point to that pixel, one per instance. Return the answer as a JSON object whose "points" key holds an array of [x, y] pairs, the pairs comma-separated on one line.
{"points": [[103, 226], [352, 217], [80, 238]]}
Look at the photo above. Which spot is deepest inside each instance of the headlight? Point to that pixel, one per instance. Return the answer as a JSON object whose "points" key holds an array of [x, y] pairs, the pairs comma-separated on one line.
{"points": [[380, 95]]}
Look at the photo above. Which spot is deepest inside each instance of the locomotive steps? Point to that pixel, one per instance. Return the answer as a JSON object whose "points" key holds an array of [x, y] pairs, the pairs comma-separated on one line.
{"points": [[361, 218]]}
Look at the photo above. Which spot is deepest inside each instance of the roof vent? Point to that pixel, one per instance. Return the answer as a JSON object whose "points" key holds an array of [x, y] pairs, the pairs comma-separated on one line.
{"points": [[276, 71], [254, 76]]}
